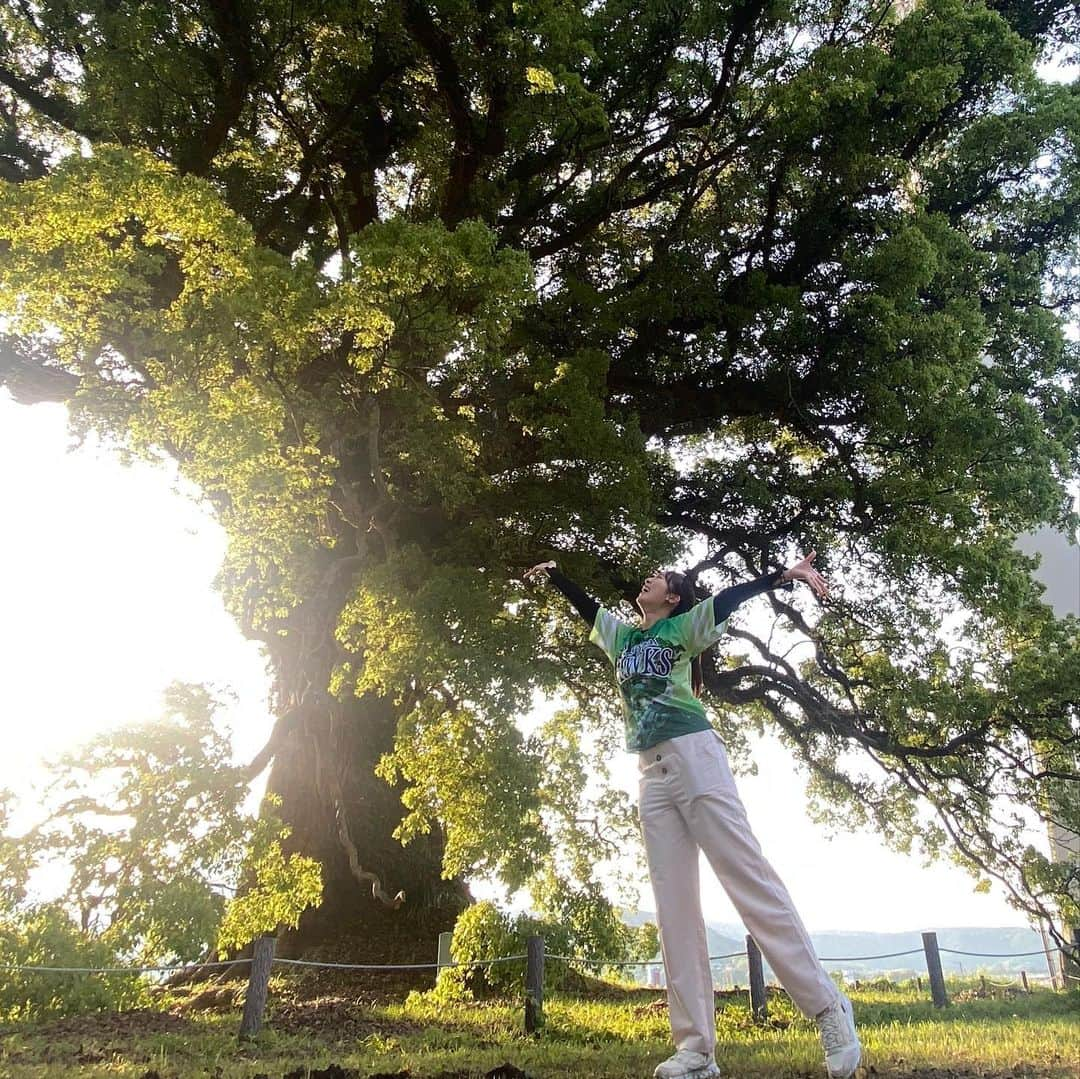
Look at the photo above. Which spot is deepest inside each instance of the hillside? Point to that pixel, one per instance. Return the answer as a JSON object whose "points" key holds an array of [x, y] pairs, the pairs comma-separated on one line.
{"points": [[840, 950]]}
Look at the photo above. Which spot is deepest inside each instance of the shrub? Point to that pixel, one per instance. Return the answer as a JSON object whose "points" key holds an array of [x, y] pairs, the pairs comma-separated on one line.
{"points": [[482, 933], [46, 936]]}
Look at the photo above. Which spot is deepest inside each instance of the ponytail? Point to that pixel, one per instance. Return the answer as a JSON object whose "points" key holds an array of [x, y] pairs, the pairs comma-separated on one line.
{"points": [[683, 587]]}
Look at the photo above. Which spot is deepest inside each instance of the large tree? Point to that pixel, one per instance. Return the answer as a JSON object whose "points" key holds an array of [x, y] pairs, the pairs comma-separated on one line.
{"points": [[420, 292]]}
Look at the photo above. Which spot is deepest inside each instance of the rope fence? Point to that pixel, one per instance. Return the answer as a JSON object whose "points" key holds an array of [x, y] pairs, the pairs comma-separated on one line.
{"points": [[994, 955], [263, 959], [584, 960], [124, 970], [403, 966], [278, 960]]}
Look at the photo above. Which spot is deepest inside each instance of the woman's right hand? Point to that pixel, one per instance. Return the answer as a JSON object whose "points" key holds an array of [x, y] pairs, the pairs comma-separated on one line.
{"points": [[540, 567]]}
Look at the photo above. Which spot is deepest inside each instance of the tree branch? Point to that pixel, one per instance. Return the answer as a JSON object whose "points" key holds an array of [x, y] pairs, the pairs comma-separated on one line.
{"points": [[58, 110], [31, 380]]}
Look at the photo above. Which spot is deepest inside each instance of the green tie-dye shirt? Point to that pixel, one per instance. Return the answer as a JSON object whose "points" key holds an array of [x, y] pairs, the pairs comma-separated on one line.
{"points": [[652, 667]]}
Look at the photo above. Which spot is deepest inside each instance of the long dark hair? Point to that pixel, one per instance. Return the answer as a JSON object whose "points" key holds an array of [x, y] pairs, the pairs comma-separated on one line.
{"points": [[683, 587]]}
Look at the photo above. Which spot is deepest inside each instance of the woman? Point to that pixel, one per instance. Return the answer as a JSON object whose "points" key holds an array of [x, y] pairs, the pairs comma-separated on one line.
{"points": [[688, 802]]}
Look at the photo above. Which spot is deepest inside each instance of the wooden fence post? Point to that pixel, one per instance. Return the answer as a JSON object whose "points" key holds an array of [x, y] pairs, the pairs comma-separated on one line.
{"points": [[933, 969], [444, 959], [534, 985], [1023, 978], [262, 960], [759, 1005]]}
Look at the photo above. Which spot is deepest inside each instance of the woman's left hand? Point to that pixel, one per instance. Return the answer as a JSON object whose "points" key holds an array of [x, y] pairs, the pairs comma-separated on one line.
{"points": [[804, 571]]}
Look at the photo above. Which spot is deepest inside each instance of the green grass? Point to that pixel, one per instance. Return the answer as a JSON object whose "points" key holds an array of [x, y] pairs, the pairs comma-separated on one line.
{"points": [[618, 1034]]}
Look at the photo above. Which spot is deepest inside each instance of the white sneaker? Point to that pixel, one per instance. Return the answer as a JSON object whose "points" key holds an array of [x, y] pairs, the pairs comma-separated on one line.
{"points": [[842, 1049], [686, 1064]]}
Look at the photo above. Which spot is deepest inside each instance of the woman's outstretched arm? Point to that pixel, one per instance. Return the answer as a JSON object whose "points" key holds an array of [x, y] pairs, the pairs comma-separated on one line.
{"points": [[725, 602], [584, 604]]}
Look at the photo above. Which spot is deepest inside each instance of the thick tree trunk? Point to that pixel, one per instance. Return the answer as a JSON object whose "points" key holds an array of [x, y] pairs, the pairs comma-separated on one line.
{"points": [[328, 761]]}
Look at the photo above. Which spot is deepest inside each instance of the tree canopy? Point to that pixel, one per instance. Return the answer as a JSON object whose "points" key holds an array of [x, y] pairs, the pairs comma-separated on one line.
{"points": [[146, 839], [419, 293]]}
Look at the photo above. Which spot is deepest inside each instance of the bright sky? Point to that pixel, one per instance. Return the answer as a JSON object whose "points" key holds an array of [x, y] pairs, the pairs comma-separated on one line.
{"points": [[106, 597]]}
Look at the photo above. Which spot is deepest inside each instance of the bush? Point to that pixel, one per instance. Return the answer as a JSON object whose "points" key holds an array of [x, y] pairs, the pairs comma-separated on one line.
{"points": [[483, 932], [46, 936]]}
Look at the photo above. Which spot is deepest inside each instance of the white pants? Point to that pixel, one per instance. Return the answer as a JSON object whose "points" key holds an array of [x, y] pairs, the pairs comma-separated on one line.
{"points": [[688, 802]]}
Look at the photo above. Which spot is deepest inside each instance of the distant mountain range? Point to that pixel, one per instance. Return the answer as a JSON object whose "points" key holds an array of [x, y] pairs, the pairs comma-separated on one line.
{"points": [[857, 953]]}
